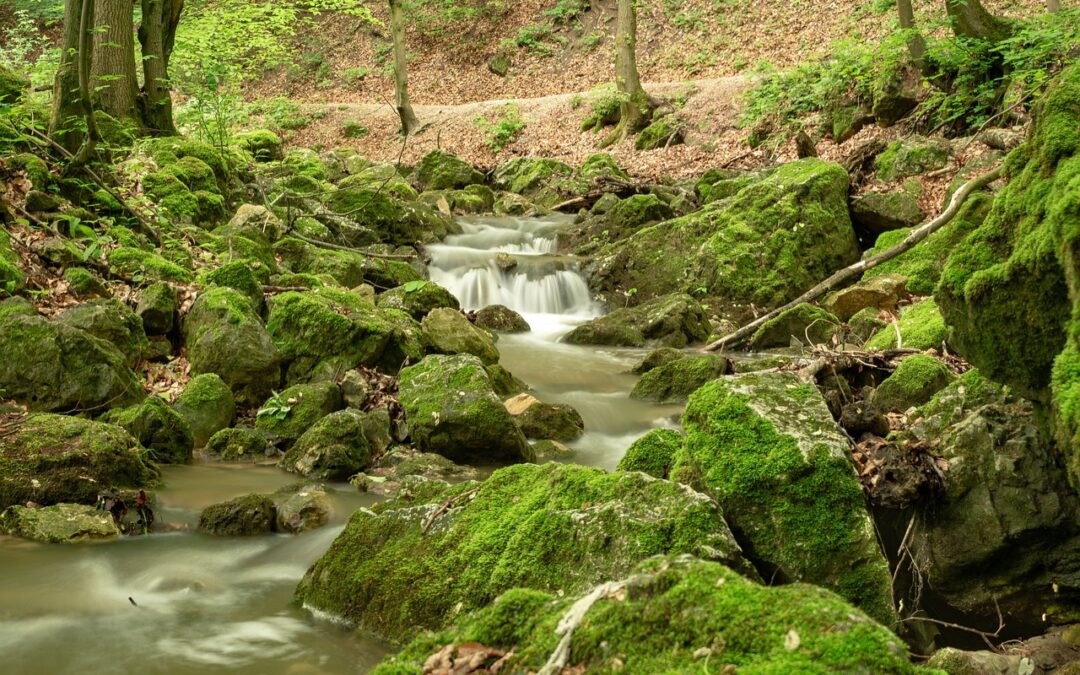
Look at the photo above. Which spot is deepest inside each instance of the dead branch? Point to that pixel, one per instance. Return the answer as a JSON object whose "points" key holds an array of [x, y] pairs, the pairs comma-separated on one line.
{"points": [[447, 505], [985, 635], [852, 271]]}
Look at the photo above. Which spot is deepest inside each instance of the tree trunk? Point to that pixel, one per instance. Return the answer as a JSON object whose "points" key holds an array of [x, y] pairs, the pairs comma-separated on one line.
{"points": [[970, 19], [157, 34], [915, 43], [86, 56], [1053, 5], [113, 73], [635, 105], [409, 123], [65, 125]]}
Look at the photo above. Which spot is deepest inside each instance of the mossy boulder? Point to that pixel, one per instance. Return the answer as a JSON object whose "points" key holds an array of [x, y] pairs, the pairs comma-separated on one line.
{"points": [[59, 523], [658, 357], [501, 319], [239, 444], [653, 453], [417, 298], [544, 182], [207, 405], [49, 365], [879, 293], [452, 410], [306, 403], [132, 261], [300, 508], [448, 331], [158, 308], [672, 615], [51, 459], [237, 275], [241, 517], [913, 383], [779, 234], [334, 448], [921, 327], [13, 87], [912, 156], [378, 212], [82, 282], [624, 217], [804, 323], [552, 527], [545, 421], [225, 335], [877, 212], [601, 165], [671, 321], [675, 381], [381, 176], [158, 428], [663, 132], [766, 447], [325, 332], [345, 268], [12, 279], [440, 170], [112, 321], [263, 144]]}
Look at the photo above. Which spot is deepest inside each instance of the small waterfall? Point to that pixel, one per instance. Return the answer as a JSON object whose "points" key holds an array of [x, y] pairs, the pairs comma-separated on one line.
{"points": [[540, 283]]}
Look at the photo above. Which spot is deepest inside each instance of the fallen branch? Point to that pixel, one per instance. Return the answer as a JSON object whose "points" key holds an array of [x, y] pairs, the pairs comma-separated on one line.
{"points": [[569, 622], [447, 505], [862, 266], [984, 634]]}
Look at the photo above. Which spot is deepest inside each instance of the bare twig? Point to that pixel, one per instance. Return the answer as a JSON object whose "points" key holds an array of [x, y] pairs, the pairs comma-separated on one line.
{"points": [[985, 635]]}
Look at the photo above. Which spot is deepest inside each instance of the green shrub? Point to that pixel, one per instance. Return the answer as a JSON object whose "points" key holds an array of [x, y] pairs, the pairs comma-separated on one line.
{"points": [[504, 129]]}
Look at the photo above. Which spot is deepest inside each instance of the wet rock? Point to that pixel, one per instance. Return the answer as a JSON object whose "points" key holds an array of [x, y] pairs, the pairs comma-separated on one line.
{"points": [[240, 444], [355, 389], [158, 308], [674, 382], [653, 453], [395, 470], [671, 321], [551, 527], [766, 447], [657, 358], [452, 410], [501, 319], [510, 204], [334, 448], [548, 450], [1056, 652], [158, 428], [207, 405], [880, 293], [553, 421], [245, 516], [450, 332], [913, 383], [286, 416], [503, 382], [300, 508], [418, 298], [803, 324], [58, 524]]}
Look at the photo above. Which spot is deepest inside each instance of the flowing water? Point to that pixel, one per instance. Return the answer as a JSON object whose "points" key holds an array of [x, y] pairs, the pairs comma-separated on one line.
{"points": [[187, 603]]}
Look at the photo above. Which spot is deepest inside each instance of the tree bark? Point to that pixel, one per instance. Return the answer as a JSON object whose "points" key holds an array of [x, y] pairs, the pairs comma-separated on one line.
{"points": [[86, 54], [635, 105], [970, 19], [157, 34], [915, 43], [113, 74], [409, 123], [67, 106]]}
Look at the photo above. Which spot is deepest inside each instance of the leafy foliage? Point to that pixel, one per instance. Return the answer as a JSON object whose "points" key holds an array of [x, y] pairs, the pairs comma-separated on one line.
{"points": [[504, 130]]}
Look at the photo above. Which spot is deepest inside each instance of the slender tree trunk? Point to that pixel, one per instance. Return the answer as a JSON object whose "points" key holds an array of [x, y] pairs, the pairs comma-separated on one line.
{"points": [[86, 55], [114, 81], [635, 105], [157, 34], [915, 43], [67, 107], [409, 123], [970, 19]]}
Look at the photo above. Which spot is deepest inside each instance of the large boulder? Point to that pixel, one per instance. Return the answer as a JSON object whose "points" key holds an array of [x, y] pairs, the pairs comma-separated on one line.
{"points": [[653, 453], [452, 410], [59, 523], [673, 382], [225, 335], [158, 308], [766, 447], [544, 182], [207, 405], [439, 549], [299, 508], [672, 615], [501, 319], [914, 382], [803, 324], [912, 156], [417, 298], [671, 321], [241, 517], [450, 332], [881, 293], [112, 321], [877, 212], [239, 444], [158, 428], [334, 448], [775, 236], [287, 415], [440, 170], [921, 326], [49, 459], [49, 365], [550, 421]]}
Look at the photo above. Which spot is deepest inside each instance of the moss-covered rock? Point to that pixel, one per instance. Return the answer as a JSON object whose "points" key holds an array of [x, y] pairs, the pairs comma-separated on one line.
{"points": [[658, 357], [306, 404], [913, 383], [49, 365], [59, 523], [440, 170], [239, 444], [673, 615], [501, 319], [775, 237], [653, 453], [158, 308], [82, 282], [866, 323], [225, 335], [921, 327], [13, 87], [448, 331], [503, 382], [158, 428], [804, 323], [544, 182], [112, 321], [207, 405], [877, 212], [263, 144], [675, 381], [766, 447], [879, 293], [325, 332], [299, 508], [452, 410], [671, 321], [238, 276], [551, 527], [241, 517], [912, 156], [346, 268], [51, 459], [132, 262], [663, 132], [379, 212], [334, 448], [12, 279], [546, 421], [417, 298]]}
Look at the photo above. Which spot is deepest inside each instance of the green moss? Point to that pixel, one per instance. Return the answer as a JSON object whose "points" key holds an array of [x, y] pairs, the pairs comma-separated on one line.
{"points": [[241, 517], [602, 165], [803, 322], [239, 444], [911, 157], [552, 527], [148, 265], [159, 428], [653, 453], [677, 615], [418, 298], [921, 327], [673, 321], [675, 381], [333, 448], [236, 275], [33, 166], [440, 170], [661, 133], [12, 279], [207, 405], [913, 383], [81, 281], [263, 145], [766, 448], [545, 182], [378, 212], [112, 321], [307, 403]]}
